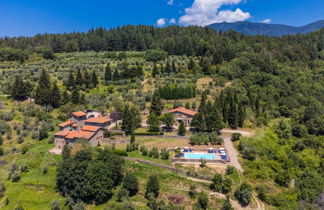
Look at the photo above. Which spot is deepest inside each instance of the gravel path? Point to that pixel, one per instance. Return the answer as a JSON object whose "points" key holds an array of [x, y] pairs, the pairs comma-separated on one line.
{"points": [[232, 153], [226, 133]]}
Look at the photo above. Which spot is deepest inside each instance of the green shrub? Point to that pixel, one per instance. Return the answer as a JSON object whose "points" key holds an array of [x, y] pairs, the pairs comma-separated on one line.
{"points": [[131, 184], [192, 191], [24, 168], [148, 133], [154, 152], [244, 194], [236, 136], [122, 194], [2, 190], [120, 152], [144, 151], [230, 170], [131, 147], [202, 201], [164, 154]]}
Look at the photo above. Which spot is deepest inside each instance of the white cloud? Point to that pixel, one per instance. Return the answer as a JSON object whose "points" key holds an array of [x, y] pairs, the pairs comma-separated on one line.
{"points": [[205, 12], [266, 21], [161, 22], [170, 2], [173, 21]]}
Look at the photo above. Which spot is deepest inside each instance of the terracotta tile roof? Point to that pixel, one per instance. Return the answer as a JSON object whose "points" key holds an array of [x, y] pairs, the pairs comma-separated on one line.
{"points": [[184, 110], [62, 133], [66, 123], [90, 128], [80, 135], [74, 125], [100, 119], [79, 114]]}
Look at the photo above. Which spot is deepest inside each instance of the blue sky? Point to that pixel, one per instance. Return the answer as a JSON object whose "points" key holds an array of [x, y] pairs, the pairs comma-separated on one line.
{"points": [[29, 17]]}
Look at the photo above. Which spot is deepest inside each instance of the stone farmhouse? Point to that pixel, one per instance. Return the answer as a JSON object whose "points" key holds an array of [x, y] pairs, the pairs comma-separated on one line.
{"points": [[82, 125], [183, 114]]}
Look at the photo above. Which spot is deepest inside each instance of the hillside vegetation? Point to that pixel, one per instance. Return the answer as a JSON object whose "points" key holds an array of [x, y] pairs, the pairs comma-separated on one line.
{"points": [[273, 84]]}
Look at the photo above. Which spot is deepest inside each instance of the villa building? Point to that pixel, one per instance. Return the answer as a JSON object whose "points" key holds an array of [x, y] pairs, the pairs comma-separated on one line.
{"points": [[82, 125], [183, 114]]}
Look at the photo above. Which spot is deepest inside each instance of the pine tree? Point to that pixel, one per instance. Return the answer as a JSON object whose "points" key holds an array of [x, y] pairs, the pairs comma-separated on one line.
{"points": [[182, 129], [108, 74], [94, 79], [55, 96], [156, 104], [43, 90], [155, 71]]}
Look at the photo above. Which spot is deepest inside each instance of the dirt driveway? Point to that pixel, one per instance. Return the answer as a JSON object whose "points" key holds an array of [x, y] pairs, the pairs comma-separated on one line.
{"points": [[226, 133]]}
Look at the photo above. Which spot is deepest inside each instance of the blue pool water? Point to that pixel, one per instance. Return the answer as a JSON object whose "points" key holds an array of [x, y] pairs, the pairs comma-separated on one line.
{"points": [[199, 156]]}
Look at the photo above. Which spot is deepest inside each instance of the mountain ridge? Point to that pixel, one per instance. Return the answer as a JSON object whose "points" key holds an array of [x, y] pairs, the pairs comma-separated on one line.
{"points": [[252, 28]]}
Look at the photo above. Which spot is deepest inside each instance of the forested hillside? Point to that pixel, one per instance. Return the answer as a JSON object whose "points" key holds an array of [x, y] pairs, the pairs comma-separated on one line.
{"points": [[274, 85]]}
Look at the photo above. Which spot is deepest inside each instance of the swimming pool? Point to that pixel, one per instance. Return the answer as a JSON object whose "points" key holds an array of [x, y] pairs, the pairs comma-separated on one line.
{"points": [[199, 156]]}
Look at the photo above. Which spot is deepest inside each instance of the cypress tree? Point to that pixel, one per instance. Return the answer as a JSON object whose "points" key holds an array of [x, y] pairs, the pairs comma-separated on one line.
{"points": [[87, 80], [56, 96], [191, 64], [82, 99], [20, 89], [108, 74], [43, 90], [75, 97], [156, 104], [241, 115], [79, 78], [155, 71], [65, 97], [70, 82], [168, 68], [94, 79], [232, 115], [127, 123], [174, 68], [214, 121], [116, 75], [162, 68], [182, 129]]}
